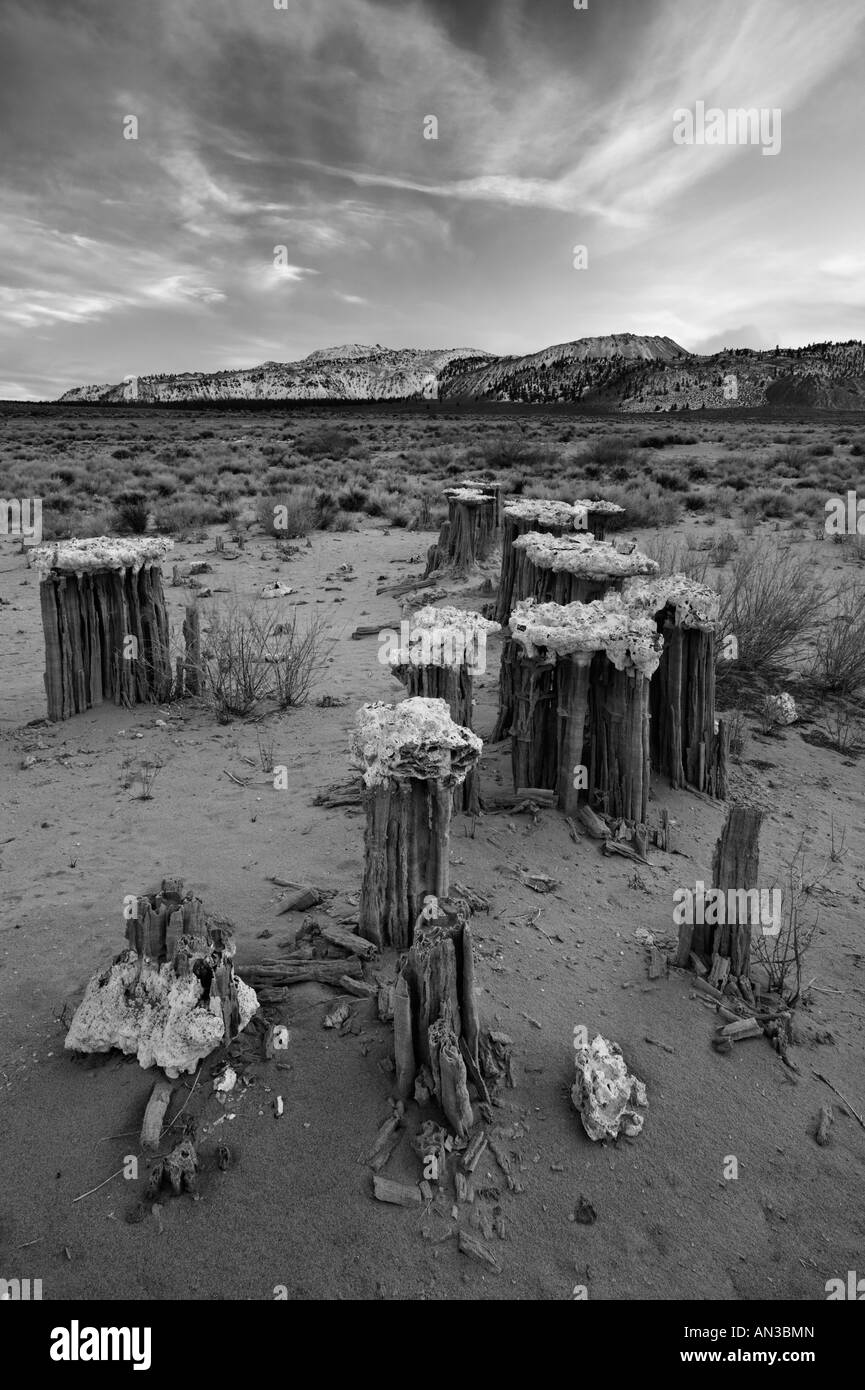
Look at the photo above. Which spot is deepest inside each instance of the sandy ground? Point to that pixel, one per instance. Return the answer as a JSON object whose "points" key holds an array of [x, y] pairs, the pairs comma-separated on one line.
{"points": [[295, 1209]]}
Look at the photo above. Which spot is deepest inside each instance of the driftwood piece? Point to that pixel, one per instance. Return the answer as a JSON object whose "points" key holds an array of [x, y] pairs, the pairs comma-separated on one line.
{"points": [[362, 989], [399, 1194], [597, 828], [335, 797], [473, 1154], [151, 1128], [348, 941], [288, 972], [742, 1028], [477, 1250]]}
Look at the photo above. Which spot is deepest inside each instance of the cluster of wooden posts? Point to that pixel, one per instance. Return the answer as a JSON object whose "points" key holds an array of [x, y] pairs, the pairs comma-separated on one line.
{"points": [[572, 693], [106, 627]]}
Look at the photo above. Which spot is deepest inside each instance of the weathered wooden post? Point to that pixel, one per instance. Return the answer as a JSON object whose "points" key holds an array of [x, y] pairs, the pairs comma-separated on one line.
{"points": [[594, 515], [574, 568], [468, 535], [526, 514], [685, 745], [413, 755], [735, 866], [436, 658], [192, 640], [105, 622], [711, 935], [603, 654], [494, 489], [437, 1027]]}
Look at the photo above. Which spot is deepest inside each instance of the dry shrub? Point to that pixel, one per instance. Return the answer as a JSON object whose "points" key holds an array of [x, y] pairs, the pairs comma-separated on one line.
{"points": [[678, 557], [252, 655], [772, 602], [289, 516], [839, 657]]}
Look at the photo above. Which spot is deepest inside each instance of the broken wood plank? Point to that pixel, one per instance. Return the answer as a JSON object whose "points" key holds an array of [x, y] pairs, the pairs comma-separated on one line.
{"points": [[742, 1028], [473, 1154], [361, 988], [399, 1194], [349, 941], [705, 988], [477, 1250], [151, 1128], [340, 796], [405, 586], [597, 828], [288, 972], [302, 901]]}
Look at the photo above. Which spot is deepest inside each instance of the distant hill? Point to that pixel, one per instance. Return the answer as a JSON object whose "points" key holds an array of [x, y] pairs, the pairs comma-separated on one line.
{"points": [[622, 371]]}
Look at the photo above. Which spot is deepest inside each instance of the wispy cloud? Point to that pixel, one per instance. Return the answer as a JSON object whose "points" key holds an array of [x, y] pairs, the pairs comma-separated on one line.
{"points": [[304, 128]]}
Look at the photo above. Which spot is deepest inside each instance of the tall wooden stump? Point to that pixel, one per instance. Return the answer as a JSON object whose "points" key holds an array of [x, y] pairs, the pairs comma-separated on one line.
{"points": [[735, 865], [603, 655], [685, 745], [105, 622], [533, 727], [436, 1019], [526, 514], [468, 535], [493, 489], [594, 515], [445, 648], [192, 641], [413, 756], [573, 568]]}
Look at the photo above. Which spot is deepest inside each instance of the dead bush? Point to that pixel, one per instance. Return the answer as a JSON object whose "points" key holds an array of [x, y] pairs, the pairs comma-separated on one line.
{"points": [[772, 603]]}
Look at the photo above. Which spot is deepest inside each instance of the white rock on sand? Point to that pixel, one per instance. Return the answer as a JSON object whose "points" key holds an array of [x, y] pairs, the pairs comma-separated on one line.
{"points": [[605, 1093]]}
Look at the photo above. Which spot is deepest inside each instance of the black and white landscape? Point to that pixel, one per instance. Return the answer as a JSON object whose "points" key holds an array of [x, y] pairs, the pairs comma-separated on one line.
{"points": [[432, 661]]}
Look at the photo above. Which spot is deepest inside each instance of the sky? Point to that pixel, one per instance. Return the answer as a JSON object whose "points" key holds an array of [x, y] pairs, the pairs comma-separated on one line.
{"points": [[303, 128]]}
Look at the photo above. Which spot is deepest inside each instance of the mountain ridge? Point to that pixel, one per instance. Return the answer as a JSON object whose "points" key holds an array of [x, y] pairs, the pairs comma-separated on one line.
{"points": [[620, 371]]}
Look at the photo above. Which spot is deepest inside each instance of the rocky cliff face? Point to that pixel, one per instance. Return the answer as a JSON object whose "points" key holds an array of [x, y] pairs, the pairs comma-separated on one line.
{"points": [[353, 372], [624, 371]]}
